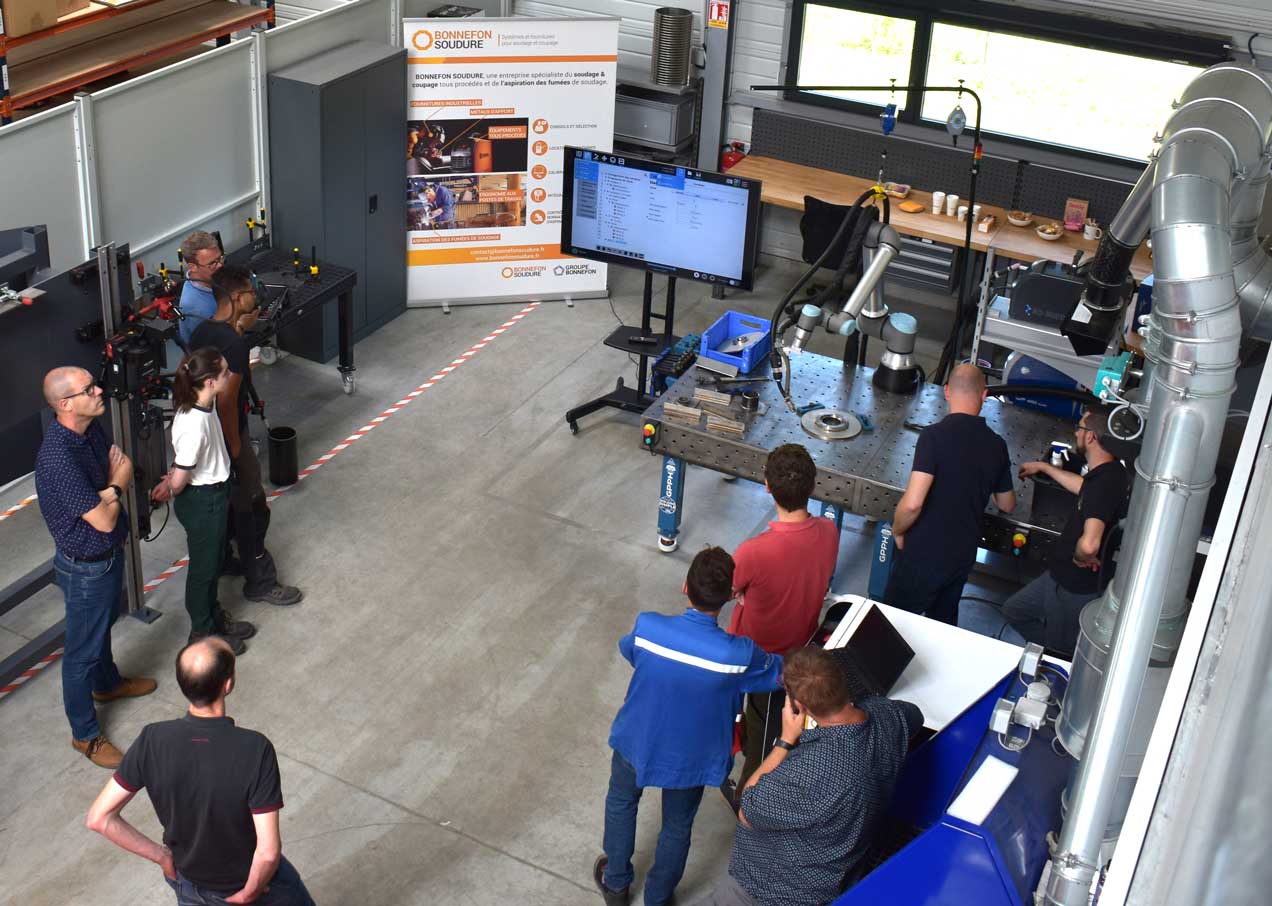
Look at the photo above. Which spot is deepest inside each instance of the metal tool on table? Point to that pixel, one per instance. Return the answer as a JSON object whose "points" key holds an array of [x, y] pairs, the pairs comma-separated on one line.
{"points": [[742, 341], [830, 424]]}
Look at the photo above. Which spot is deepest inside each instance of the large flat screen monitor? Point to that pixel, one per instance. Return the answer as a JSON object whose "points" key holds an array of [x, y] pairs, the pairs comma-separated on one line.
{"points": [[660, 217]]}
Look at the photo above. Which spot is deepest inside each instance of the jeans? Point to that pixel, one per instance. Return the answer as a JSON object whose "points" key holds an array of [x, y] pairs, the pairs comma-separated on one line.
{"points": [[1046, 613], [912, 587], [93, 592], [284, 889], [202, 511], [988, 619], [249, 522], [678, 810]]}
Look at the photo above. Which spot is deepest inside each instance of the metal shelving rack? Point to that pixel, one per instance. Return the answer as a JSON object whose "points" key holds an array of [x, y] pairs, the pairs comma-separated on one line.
{"points": [[62, 71]]}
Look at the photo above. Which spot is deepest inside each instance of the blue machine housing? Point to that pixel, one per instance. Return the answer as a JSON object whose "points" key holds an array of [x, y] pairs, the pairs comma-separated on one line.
{"points": [[952, 862], [1023, 369]]}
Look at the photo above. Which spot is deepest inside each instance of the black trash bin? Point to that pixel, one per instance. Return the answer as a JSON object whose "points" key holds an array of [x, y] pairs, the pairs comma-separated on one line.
{"points": [[283, 465]]}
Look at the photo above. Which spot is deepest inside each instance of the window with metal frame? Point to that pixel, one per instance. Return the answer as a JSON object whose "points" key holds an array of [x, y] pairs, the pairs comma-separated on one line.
{"points": [[1053, 80]]}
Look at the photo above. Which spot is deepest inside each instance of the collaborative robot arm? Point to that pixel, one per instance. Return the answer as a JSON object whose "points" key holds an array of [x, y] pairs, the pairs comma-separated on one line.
{"points": [[865, 311]]}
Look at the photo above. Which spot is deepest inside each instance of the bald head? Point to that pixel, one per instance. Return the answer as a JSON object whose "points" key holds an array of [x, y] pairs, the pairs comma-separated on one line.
{"points": [[967, 380], [965, 390], [203, 667], [62, 382]]}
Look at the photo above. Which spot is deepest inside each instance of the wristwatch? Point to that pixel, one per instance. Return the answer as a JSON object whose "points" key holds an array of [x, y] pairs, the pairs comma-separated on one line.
{"points": [[783, 744], [119, 492]]}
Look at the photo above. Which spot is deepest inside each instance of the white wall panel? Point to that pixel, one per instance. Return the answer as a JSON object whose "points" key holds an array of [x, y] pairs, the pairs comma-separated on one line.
{"points": [[38, 184], [362, 20], [636, 22], [157, 174]]}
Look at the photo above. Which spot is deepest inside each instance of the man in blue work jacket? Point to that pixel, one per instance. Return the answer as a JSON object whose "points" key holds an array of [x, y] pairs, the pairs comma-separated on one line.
{"points": [[441, 204], [675, 729]]}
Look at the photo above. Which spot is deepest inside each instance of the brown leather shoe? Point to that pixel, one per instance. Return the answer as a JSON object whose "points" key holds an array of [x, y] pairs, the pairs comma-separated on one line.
{"points": [[131, 687], [99, 751]]}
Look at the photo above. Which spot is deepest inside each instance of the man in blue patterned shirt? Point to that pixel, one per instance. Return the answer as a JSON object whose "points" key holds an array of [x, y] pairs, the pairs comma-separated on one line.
{"points": [[79, 478], [675, 729], [809, 814]]}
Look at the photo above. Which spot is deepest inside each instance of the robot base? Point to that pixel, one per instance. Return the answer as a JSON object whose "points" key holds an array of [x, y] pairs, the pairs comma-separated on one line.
{"points": [[905, 380]]}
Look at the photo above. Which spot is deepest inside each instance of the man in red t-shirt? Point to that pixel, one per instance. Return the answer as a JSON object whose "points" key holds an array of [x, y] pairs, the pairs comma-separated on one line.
{"points": [[781, 578]]}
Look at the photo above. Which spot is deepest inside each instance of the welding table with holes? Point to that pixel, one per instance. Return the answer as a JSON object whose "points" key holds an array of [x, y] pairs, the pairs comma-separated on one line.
{"points": [[866, 474]]}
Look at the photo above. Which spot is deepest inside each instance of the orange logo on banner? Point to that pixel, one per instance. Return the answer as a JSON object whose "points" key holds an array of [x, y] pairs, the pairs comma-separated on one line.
{"points": [[537, 217], [540, 125], [539, 171], [424, 44], [540, 148], [538, 195]]}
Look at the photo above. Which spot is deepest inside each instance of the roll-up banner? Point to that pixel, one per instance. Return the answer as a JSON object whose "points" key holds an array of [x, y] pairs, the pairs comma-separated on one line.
{"points": [[491, 102]]}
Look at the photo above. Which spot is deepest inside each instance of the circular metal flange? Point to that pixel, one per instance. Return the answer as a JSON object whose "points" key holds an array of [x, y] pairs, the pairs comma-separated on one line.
{"points": [[830, 424]]}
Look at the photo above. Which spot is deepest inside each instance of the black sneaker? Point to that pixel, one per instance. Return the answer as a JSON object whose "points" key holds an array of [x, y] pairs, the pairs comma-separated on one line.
{"points": [[279, 596], [612, 897], [230, 628], [236, 645]]}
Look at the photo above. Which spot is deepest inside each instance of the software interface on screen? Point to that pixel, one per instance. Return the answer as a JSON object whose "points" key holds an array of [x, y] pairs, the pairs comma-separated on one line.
{"points": [[670, 217]]}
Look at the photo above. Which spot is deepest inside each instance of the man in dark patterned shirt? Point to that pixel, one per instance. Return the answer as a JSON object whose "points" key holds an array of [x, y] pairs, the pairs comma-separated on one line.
{"points": [[80, 479], [809, 814]]}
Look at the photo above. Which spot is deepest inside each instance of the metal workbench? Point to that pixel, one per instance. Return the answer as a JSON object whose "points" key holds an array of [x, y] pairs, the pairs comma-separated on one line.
{"points": [[865, 475]]}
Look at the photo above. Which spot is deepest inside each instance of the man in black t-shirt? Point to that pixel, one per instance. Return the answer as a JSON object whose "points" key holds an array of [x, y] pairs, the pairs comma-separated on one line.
{"points": [[216, 790], [1080, 565], [959, 464], [249, 512]]}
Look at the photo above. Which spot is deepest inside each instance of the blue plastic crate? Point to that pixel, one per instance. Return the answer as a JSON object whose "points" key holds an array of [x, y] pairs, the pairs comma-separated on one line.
{"points": [[730, 325]]}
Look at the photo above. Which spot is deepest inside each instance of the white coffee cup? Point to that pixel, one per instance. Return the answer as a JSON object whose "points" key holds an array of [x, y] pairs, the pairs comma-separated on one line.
{"points": [[962, 212], [938, 202], [976, 209], [1091, 231], [951, 205]]}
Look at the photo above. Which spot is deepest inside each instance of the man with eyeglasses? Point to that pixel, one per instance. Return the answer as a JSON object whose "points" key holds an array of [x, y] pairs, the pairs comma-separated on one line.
{"points": [[80, 479], [1080, 564], [203, 258], [236, 311]]}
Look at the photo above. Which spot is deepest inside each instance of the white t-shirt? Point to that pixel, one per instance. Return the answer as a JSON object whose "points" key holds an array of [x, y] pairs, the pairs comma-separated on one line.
{"points": [[199, 446]]}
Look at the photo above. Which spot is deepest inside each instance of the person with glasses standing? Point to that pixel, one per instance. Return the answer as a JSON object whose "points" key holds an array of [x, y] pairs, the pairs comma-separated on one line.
{"points": [[203, 258], [1080, 563], [80, 478], [249, 512], [199, 488]]}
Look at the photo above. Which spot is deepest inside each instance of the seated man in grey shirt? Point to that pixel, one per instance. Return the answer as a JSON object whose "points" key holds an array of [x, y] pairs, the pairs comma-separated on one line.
{"points": [[809, 814]]}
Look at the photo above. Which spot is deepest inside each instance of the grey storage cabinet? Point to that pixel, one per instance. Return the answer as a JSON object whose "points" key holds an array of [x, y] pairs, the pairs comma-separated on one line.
{"points": [[337, 155]]}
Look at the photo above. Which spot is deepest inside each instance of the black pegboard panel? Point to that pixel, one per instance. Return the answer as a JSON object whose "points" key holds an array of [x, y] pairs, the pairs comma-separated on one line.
{"points": [[848, 150], [1044, 190]]}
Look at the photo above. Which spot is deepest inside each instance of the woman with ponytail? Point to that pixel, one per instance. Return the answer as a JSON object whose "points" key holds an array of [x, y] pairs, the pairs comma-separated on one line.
{"points": [[199, 489]]}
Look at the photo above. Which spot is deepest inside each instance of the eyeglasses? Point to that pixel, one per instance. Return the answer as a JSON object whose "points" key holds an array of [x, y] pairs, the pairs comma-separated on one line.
{"points": [[213, 264], [87, 391]]}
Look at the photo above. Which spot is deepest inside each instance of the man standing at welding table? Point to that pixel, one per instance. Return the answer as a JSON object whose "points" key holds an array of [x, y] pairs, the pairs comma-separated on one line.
{"points": [[959, 464], [780, 578], [249, 511], [675, 728], [203, 257], [810, 813], [79, 478], [216, 790], [1080, 563]]}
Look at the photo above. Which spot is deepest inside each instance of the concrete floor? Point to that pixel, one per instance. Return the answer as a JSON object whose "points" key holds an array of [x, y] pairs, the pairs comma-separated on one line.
{"points": [[440, 702]]}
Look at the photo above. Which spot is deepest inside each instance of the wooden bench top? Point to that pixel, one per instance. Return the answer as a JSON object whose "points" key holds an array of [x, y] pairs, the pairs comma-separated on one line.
{"points": [[785, 184]]}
